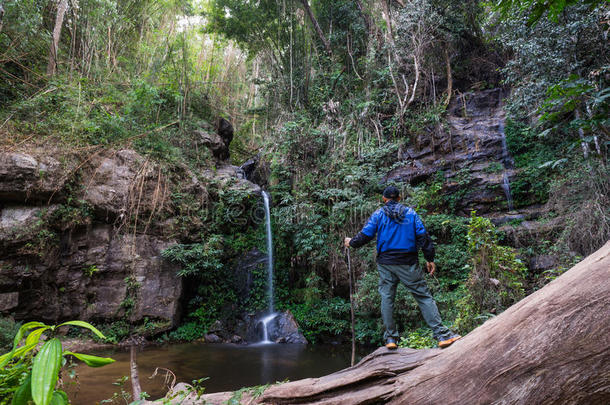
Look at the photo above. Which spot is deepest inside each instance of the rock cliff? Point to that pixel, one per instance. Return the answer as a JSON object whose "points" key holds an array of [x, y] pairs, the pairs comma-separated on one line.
{"points": [[81, 236]]}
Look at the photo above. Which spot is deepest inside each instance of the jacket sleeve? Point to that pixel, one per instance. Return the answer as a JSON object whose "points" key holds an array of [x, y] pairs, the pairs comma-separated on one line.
{"points": [[423, 240], [367, 234]]}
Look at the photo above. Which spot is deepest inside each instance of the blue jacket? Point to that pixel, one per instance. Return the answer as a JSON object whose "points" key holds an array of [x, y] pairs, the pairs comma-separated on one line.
{"points": [[400, 233]]}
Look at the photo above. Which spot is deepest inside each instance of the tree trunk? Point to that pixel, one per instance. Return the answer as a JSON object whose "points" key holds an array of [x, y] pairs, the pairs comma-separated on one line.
{"points": [[553, 347], [316, 26], [1, 16], [59, 21], [133, 371]]}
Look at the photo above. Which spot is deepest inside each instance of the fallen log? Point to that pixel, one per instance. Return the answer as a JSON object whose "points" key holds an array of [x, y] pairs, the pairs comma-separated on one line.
{"points": [[553, 347]]}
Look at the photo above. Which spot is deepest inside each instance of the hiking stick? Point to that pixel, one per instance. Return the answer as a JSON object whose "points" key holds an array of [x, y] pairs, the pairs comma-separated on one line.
{"points": [[351, 302]]}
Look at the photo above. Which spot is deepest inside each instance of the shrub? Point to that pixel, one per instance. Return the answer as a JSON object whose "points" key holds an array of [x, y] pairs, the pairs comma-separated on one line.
{"points": [[496, 276]]}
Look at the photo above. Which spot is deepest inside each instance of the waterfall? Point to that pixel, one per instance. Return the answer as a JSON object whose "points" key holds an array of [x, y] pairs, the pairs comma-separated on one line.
{"points": [[265, 321], [269, 251], [271, 315], [507, 162]]}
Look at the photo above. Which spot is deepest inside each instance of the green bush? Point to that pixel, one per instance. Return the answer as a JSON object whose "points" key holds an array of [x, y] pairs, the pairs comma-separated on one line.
{"points": [[8, 330], [188, 332], [496, 278]]}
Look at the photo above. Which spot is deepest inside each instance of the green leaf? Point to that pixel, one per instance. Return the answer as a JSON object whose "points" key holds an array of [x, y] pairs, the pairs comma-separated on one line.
{"points": [[59, 398], [23, 393], [34, 336], [45, 369], [17, 353], [91, 361], [18, 337], [85, 325]]}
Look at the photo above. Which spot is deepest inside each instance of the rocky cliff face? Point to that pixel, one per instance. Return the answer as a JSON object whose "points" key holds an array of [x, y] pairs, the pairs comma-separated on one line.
{"points": [[81, 238], [468, 155]]}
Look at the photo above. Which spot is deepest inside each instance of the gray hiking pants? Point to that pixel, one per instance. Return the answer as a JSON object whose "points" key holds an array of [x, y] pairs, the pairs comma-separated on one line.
{"points": [[412, 277]]}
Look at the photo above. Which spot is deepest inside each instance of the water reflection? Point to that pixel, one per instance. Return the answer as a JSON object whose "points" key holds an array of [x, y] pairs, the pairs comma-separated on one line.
{"points": [[229, 367]]}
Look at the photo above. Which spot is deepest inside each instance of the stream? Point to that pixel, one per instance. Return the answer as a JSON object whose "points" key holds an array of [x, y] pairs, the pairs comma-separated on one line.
{"points": [[229, 367]]}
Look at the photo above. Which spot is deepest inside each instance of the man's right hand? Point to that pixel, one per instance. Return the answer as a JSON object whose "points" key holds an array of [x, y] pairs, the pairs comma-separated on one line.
{"points": [[346, 242], [431, 267]]}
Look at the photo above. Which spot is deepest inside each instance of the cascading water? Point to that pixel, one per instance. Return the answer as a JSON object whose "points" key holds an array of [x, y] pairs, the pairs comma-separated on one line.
{"points": [[269, 251], [507, 162], [268, 318]]}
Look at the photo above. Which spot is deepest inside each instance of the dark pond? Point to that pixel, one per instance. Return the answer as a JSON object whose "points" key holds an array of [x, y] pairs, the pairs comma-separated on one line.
{"points": [[229, 367]]}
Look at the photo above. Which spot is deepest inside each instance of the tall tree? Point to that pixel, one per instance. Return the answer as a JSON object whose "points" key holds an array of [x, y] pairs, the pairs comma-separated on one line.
{"points": [[316, 26], [59, 21]]}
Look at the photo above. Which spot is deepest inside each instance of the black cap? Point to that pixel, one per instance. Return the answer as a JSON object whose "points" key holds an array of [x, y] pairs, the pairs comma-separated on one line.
{"points": [[391, 192]]}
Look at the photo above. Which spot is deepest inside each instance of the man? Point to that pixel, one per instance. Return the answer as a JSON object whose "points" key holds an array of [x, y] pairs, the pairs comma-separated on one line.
{"points": [[400, 233]]}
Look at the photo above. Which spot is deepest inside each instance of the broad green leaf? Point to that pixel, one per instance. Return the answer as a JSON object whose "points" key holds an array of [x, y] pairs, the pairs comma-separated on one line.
{"points": [[23, 393], [85, 325], [24, 328], [91, 361], [59, 398], [45, 369], [34, 336], [17, 353]]}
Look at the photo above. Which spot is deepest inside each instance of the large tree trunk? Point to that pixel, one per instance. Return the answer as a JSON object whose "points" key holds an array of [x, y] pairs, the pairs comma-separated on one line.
{"points": [[316, 26], [59, 21], [553, 347]]}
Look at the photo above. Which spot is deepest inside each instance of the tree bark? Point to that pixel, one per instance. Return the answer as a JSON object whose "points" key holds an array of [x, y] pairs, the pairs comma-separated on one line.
{"points": [[553, 347], [1, 16], [136, 389], [59, 21], [316, 26]]}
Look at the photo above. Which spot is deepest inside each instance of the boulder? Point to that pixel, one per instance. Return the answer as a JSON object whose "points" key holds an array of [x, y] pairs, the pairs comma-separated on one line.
{"points": [[28, 177], [542, 262], [287, 329], [120, 182], [212, 338], [217, 142]]}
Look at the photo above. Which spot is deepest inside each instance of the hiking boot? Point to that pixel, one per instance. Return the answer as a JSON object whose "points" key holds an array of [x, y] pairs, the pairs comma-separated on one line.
{"points": [[390, 343], [446, 342]]}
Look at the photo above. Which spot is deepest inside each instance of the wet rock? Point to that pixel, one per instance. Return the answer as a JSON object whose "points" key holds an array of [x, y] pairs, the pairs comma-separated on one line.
{"points": [[287, 328], [230, 177], [28, 177], [212, 338], [236, 339], [542, 262], [468, 152]]}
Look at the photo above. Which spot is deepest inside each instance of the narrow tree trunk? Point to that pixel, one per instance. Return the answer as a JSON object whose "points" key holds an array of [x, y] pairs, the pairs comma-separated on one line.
{"points": [[581, 134], [449, 77], [59, 21], [553, 347], [316, 26], [1, 16], [136, 390]]}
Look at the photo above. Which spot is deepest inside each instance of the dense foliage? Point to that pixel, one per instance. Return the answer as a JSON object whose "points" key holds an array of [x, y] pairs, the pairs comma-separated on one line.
{"points": [[330, 95]]}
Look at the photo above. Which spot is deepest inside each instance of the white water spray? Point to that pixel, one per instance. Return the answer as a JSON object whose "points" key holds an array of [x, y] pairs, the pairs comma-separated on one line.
{"points": [[265, 322]]}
